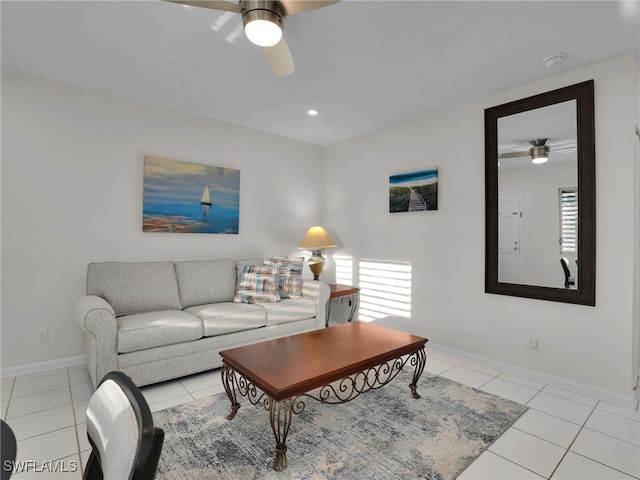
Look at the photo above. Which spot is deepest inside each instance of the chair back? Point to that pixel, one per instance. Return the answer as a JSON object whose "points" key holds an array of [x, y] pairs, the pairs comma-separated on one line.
{"points": [[120, 428], [568, 281], [9, 448]]}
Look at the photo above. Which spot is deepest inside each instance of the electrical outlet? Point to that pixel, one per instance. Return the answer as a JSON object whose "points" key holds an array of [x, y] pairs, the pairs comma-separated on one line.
{"points": [[533, 343], [43, 335]]}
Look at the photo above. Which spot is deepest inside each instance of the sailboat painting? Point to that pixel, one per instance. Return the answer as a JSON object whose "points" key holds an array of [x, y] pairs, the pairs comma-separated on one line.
{"points": [[205, 201], [183, 197]]}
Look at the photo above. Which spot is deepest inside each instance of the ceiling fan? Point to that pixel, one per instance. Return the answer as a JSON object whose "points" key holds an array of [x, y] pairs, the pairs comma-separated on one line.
{"points": [[263, 22], [539, 150]]}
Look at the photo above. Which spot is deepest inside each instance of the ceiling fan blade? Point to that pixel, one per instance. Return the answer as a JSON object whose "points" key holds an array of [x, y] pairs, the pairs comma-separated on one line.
{"points": [[563, 150], [213, 4], [280, 59], [515, 154], [562, 144], [296, 6]]}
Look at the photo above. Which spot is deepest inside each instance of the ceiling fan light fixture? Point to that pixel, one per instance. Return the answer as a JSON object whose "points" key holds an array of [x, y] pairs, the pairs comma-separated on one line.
{"points": [[539, 154], [263, 27]]}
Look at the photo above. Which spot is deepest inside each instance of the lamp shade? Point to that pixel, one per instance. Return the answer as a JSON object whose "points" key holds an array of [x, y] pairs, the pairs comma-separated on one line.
{"points": [[317, 238]]}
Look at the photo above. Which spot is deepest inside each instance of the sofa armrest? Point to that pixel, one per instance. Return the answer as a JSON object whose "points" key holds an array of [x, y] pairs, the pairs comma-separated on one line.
{"points": [[97, 318], [319, 292]]}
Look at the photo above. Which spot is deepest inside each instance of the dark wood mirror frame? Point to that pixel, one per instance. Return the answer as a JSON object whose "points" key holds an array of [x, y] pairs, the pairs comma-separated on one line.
{"points": [[585, 294]]}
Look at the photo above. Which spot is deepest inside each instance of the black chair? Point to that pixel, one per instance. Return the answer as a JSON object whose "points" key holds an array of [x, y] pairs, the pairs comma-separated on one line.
{"points": [[568, 280], [9, 449], [125, 444]]}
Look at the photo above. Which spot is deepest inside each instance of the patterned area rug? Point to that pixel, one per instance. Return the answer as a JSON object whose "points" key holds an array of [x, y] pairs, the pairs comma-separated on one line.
{"points": [[383, 434]]}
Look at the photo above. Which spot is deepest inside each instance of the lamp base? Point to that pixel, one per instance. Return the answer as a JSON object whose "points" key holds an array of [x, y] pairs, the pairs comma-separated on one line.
{"points": [[316, 263]]}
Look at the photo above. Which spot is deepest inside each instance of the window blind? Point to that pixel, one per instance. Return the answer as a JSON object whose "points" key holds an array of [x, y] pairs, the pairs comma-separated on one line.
{"points": [[568, 220]]}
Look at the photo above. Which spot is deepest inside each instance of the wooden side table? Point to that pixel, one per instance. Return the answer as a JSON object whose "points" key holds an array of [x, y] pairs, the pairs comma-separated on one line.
{"points": [[343, 295]]}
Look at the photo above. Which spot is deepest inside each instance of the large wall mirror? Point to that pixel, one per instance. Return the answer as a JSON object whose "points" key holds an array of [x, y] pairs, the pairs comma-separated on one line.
{"points": [[540, 196]]}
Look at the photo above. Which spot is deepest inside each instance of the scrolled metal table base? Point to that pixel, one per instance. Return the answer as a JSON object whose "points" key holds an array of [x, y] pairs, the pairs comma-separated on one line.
{"points": [[352, 301], [340, 391]]}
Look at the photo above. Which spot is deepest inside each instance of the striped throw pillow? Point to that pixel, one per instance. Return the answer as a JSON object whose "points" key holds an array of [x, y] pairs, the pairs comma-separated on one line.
{"points": [[257, 284], [289, 275]]}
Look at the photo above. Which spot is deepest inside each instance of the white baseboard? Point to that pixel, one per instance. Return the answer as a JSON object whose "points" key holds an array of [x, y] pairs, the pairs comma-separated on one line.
{"points": [[627, 401], [42, 366]]}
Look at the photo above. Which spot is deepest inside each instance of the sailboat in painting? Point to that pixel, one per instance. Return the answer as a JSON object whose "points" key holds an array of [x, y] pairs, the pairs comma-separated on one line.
{"points": [[205, 201], [182, 197]]}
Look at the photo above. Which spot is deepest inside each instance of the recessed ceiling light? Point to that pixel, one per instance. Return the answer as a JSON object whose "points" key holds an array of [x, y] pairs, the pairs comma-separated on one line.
{"points": [[312, 112]]}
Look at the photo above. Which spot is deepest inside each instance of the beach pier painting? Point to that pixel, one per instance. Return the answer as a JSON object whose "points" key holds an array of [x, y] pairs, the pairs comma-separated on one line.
{"points": [[183, 197], [415, 191]]}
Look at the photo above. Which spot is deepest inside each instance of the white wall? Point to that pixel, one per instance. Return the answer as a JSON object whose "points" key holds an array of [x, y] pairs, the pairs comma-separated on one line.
{"points": [[588, 345], [72, 174]]}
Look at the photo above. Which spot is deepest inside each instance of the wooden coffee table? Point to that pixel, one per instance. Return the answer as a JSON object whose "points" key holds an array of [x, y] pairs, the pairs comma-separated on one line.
{"points": [[332, 365]]}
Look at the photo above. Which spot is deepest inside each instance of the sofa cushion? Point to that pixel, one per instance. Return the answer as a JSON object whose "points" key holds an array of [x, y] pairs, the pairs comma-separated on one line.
{"points": [[228, 317], [203, 282], [135, 287], [156, 329], [257, 284], [289, 310]]}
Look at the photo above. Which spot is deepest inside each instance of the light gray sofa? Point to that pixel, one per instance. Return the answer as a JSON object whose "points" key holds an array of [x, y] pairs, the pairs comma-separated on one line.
{"points": [[161, 320]]}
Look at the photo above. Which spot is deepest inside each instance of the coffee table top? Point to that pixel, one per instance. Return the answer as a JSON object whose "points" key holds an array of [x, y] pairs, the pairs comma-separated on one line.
{"points": [[290, 366]]}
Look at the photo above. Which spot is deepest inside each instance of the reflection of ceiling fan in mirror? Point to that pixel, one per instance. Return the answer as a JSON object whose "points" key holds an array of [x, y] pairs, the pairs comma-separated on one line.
{"points": [[263, 22], [539, 149]]}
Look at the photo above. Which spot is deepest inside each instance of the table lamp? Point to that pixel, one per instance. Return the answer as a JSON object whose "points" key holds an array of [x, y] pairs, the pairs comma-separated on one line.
{"points": [[316, 240]]}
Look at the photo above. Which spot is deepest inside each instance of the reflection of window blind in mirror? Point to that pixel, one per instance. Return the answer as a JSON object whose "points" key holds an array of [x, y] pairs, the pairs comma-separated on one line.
{"points": [[568, 220]]}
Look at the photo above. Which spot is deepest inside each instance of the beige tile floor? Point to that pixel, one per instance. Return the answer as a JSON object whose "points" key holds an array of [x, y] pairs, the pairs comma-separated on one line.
{"points": [[563, 435]]}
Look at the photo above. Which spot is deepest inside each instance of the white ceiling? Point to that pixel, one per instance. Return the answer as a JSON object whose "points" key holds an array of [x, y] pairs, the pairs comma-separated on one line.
{"points": [[362, 64]]}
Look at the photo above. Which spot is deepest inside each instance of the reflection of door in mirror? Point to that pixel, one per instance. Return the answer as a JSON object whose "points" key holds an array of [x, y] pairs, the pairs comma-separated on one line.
{"points": [[509, 232], [524, 141]]}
